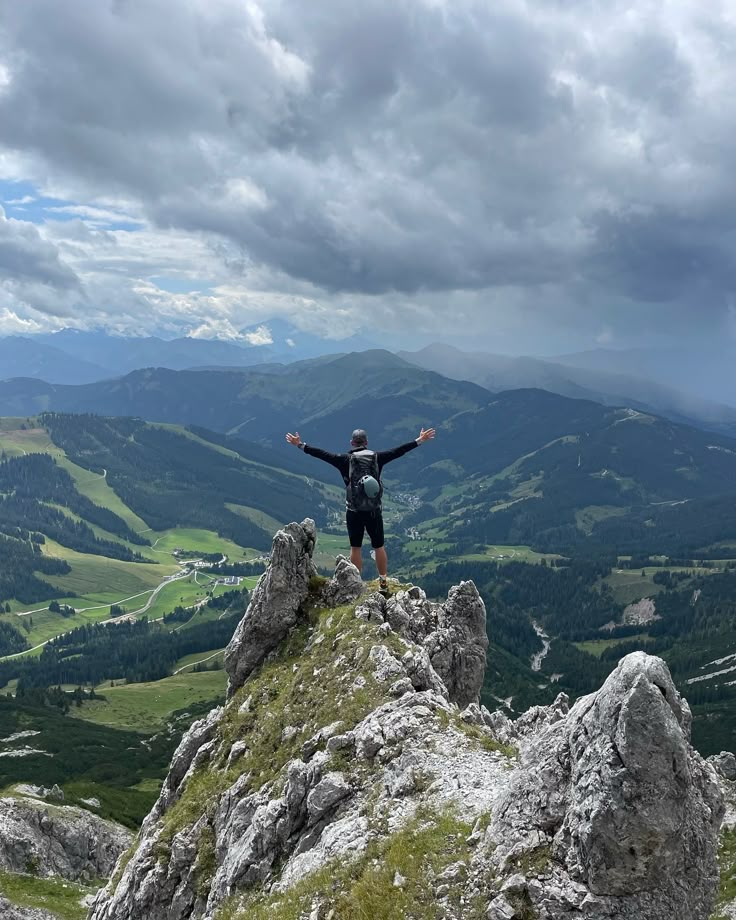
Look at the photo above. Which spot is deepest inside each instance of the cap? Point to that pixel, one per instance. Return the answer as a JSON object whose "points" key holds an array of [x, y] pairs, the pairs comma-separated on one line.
{"points": [[358, 437]]}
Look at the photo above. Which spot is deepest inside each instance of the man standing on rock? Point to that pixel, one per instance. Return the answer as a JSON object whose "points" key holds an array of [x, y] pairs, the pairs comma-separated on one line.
{"points": [[361, 472]]}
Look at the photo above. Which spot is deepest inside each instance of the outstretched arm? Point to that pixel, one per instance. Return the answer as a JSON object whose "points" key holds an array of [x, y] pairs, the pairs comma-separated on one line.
{"points": [[340, 461], [386, 456]]}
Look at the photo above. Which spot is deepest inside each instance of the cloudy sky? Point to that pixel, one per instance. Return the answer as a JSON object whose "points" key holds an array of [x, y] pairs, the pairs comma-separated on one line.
{"points": [[526, 175]]}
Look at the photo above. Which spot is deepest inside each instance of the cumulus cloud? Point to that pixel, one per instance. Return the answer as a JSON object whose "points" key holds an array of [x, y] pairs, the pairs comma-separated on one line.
{"points": [[25, 257], [508, 169], [260, 336]]}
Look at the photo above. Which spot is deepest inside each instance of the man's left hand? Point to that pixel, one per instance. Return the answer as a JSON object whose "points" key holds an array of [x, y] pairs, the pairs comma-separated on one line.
{"points": [[426, 434]]}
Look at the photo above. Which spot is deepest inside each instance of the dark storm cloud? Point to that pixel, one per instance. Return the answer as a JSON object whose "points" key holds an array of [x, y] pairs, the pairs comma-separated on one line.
{"points": [[406, 146], [26, 258]]}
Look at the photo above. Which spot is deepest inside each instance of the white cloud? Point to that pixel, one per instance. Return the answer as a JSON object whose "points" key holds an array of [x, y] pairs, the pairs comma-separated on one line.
{"points": [[260, 336], [94, 215], [13, 324], [522, 172], [221, 329]]}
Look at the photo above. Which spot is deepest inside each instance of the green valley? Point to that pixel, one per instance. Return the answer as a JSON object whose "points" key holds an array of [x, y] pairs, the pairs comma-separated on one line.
{"points": [[100, 513], [567, 515]]}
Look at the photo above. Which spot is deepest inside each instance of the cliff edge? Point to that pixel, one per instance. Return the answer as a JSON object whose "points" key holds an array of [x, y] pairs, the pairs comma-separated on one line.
{"points": [[352, 773]]}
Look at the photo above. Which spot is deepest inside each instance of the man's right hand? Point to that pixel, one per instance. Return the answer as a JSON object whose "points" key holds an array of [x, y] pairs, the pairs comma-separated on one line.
{"points": [[294, 439]]}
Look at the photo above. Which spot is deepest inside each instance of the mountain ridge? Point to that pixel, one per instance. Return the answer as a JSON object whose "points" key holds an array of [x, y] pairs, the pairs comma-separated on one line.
{"points": [[581, 381], [299, 795]]}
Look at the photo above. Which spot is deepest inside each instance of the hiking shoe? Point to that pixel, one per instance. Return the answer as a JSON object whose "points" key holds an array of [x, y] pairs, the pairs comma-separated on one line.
{"points": [[383, 585]]}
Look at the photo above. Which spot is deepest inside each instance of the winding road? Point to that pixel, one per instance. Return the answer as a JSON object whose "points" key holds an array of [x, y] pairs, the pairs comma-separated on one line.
{"points": [[132, 615]]}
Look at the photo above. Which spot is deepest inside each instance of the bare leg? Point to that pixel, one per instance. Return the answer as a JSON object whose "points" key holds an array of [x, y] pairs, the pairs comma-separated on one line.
{"points": [[381, 561], [356, 557]]}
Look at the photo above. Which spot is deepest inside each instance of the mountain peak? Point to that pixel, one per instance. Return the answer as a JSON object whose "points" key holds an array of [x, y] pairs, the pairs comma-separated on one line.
{"points": [[352, 766]]}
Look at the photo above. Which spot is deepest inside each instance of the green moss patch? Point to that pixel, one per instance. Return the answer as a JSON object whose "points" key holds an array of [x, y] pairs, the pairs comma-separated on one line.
{"points": [[727, 859], [476, 734], [309, 684], [533, 862], [364, 889], [52, 894]]}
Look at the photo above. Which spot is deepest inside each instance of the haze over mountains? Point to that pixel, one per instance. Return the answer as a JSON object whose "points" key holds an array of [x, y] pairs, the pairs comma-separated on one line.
{"points": [[649, 380], [609, 377], [277, 349], [76, 356]]}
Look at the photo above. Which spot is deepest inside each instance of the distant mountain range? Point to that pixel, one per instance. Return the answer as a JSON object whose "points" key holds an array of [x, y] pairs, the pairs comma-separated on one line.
{"points": [[73, 356], [481, 433], [651, 381], [595, 377], [706, 374], [326, 397]]}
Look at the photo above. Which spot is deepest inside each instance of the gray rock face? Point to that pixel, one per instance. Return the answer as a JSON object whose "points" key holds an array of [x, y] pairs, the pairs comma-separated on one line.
{"points": [[9, 911], [345, 586], [453, 635], [58, 840], [276, 601], [628, 812], [724, 764], [609, 813]]}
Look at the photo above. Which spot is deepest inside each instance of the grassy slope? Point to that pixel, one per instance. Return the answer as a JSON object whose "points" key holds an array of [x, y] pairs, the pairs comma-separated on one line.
{"points": [[629, 586], [63, 899], [188, 661], [598, 646], [96, 582], [147, 707]]}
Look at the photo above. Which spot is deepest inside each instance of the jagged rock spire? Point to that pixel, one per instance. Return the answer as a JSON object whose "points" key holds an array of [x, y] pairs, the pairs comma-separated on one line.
{"points": [[627, 811], [276, 601], [373, 723]]}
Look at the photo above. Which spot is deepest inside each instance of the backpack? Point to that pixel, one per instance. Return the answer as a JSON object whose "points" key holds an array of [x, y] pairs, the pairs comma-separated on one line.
{"points": [[363, 468]]}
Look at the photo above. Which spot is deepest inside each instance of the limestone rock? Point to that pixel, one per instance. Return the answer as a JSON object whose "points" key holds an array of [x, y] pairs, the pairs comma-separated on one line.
{"points": [[606, 813], [10, 911], [372, 609], [452, 634], [619, 800], [724, 764], [58, 840], [330, 790], [345, 586], [275, 603], [458, 653], [386, 666]]}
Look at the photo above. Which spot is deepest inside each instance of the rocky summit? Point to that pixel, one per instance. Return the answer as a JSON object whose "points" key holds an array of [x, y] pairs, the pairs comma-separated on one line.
{"points": [[56, 840], [352, 773]]}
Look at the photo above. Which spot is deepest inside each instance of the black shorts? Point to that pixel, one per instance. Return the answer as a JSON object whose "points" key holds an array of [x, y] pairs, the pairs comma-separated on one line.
{"points": [[360, 521]]}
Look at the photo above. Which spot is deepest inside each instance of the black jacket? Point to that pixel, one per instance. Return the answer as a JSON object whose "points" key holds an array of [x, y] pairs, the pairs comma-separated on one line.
{"points": [[341, 462]]}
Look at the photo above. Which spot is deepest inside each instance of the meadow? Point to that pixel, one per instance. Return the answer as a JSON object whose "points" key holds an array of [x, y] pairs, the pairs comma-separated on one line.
{"points": [[148, 707], [63, 899]]}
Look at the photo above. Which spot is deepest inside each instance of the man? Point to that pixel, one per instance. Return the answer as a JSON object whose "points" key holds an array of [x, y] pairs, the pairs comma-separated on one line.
{"points": [[361, 473]]}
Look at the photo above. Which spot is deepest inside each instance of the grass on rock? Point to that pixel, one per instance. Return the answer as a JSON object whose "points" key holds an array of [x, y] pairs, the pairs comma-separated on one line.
{"points": [[59, 897], [365, 889], [727, 859], [324, 655]]}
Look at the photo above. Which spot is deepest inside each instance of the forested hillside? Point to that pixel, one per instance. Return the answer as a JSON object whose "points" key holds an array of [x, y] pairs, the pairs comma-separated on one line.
{"points": [[564, 475], [171, 477], [563, 511], [99, 516]]}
